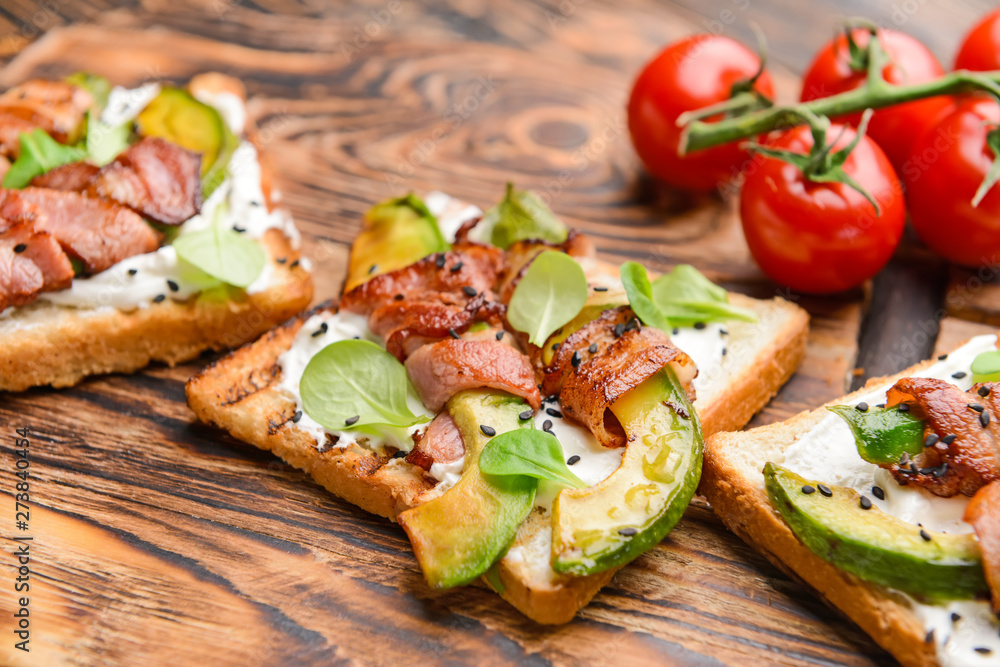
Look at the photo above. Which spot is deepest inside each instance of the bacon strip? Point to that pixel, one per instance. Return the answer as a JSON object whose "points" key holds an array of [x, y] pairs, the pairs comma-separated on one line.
{"points": [[54, 106], [972, 458], [599, 332], [441, 370], [74, 176], [20, 278], [983, 512], [42, 250], [98, 233], [154, 177], [589, 392], [440, 443]]}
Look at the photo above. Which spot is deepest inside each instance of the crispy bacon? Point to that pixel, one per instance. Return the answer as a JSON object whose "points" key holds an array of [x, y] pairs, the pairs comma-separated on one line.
{"points": [[478, 265], [599, 332], [98, 233], [42, 250], [74, 176], [154, 177], [406, 325], [441, 370], [972, 459], [597, 383], [54, 106], [440, 443], [983, 512], [520, 255], [20, 278]]}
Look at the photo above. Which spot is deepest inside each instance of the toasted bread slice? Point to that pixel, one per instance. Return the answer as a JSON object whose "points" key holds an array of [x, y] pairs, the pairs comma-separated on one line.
{"points": [[239, 394], [733, 482]]}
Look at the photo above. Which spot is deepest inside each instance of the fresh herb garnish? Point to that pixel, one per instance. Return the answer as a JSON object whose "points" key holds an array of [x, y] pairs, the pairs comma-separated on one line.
{"points": [[222, 253], [528, 452], [551, 293], [521, 215], [640, 295], [356, 378], [686, 297], [39, 153], [882, 435], [986, 367], [105, 142]]}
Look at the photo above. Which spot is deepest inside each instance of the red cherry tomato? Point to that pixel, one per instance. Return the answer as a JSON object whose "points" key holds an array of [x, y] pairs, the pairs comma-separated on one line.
{"points": [[943, 174], [821, 237], [980, 50], [893, 128], [689, 74]]}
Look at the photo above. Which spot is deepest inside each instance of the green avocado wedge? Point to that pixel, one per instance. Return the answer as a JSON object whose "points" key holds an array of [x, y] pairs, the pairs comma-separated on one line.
{"points": [[458, 535], [611, 523], [875, 546]]}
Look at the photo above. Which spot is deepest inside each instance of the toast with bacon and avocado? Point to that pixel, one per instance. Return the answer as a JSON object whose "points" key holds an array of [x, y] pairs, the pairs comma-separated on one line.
{"points": [[527, 414], [135, 225], [887, 502]]}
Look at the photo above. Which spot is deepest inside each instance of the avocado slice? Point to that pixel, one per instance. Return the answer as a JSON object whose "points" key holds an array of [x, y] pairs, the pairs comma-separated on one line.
{"points": [[882, 436], [458, 535], [610, 523], [395, 233], [873, 545]]}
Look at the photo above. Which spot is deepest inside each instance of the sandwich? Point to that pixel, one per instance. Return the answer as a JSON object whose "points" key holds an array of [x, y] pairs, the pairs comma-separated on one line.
{"points": [[136, 225], [531, 416], [886, 502]]}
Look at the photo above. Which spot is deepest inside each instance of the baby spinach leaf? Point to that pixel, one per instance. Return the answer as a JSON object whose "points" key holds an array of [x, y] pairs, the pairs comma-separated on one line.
{"points": [[355, 383], [529, 452], [39, 153], [551, 293], [882, 436], [222, 253], [521, 215], [986, 366], [640, 295], [686, 297]]}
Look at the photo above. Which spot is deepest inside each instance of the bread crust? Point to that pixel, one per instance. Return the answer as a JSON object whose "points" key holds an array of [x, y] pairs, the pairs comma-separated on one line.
{"points": [[69, 344], [238, 393], [741, 502]]}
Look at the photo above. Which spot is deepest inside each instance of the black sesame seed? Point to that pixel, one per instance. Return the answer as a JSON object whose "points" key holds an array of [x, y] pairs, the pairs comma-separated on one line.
{"points": [[984, 419], [865, 503], [948, 439], [453, 333], [399, 297], [699, 325], [526, 415], [942, 357], [959, 375], [547, 425], [500, 334], [297, 416], [593, 348], [929, 637], [322, 330], [600, 289], [456, 267], [976, 407], [255, 203], [878, 492], [632, 324], [723, 332], [556, 346], [351, 421], [903, 407], [439, 261], [983, 391], [488, 431], [173, 286], [983, 650], [281, 260], [676, 331], [931, 440], [880, 406], [552, 412], [20, 247], [238, 229], [824, 490], [904, 459], [469, 291], [573, 460], [808, 488], [925, 535], [132, 272], [294, 264], [619, 330], [628, 532], [725, 351], [400, 454], [955, 617], [861, 407], [372, 269], [159, 297], [576, 359]]}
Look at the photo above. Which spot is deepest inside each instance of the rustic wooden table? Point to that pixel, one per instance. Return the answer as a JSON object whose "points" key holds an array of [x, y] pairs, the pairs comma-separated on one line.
{"points": [[160, 541]]}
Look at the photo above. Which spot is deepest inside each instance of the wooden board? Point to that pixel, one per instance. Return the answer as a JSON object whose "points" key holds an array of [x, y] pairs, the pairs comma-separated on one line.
{"points": [[158, 540]]}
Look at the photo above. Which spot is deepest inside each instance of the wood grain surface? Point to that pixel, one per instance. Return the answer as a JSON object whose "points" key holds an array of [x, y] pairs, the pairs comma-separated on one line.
{"points": [[161, 541]]}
